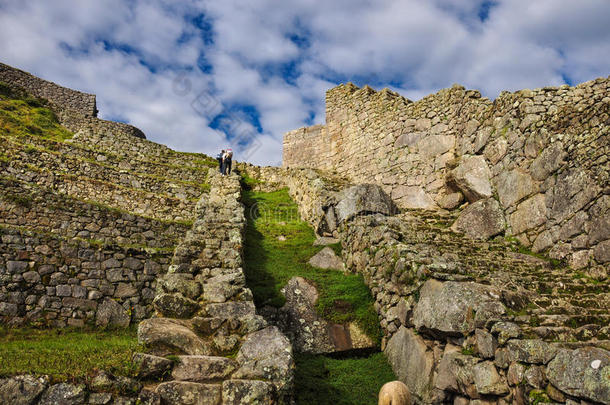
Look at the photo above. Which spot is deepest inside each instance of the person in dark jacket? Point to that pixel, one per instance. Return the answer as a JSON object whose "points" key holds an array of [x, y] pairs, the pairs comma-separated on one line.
{"points": [[220, 158], [227, 160]]}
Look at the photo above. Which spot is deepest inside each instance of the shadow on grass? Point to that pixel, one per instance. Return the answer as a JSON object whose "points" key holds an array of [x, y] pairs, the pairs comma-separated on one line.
{"points": [[340, 381]]}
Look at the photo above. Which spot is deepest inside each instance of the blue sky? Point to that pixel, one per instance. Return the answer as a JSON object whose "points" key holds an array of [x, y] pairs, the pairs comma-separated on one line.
{"points": [[201, 75]]}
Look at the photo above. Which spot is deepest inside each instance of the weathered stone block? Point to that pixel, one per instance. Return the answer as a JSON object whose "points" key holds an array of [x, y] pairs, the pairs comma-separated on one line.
{"points": [[481, 220], [203, 368], [454, 308], [189, 393], [412, 362], [22, 390], [472, 176], [530, 213], [582, 373]]}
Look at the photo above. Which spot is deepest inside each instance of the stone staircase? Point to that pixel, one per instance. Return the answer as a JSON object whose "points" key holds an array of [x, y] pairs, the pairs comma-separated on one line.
{"points": [[207, 343], [550, 300]]}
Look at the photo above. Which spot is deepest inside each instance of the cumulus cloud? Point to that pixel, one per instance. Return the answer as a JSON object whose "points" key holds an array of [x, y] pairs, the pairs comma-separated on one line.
{"points": [[199, 75]]}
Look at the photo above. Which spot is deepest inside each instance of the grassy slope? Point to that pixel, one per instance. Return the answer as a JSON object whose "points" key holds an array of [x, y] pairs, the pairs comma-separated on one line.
{"points": [[22, 115], [353, 381], [66, 354], [271, 262]]}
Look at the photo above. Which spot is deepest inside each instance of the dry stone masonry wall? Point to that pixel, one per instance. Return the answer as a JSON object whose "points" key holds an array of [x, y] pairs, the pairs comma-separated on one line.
{"points": [[49, 280], [476, 321], [90, 223], [76, 110], [206, 316], [542, 155], [62, 97]]}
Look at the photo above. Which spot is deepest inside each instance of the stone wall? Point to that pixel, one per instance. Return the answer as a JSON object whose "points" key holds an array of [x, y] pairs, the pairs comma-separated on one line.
{"points": [[542, 154], [468, 321], [62, 97], [305, 147], [25, 205], [206, 315], [50, 280], [75, 110]]}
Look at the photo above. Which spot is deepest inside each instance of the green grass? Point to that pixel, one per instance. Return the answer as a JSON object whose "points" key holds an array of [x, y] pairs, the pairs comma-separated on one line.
{"points": [[66, 354], [22, 115], [354, 381], [270, 263]]}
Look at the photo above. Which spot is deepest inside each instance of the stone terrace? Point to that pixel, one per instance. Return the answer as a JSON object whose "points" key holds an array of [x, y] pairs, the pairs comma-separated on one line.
{"points": [[547, 298], [88, 223]]}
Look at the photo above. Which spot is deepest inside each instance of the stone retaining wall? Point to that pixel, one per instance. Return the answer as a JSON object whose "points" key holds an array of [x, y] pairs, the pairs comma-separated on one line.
{"points": [[139, 202], [38, 208], [468, 321], [99, 170], [62, 97], [69, 282], [541, 154], [75, 110]]}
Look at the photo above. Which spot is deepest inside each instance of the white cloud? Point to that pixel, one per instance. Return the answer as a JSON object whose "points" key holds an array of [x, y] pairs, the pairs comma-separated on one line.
{"points": [[130, 53]]}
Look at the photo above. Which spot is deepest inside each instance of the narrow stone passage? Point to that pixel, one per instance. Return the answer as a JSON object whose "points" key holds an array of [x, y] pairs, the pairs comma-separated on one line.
{"points": [[314, 307]]}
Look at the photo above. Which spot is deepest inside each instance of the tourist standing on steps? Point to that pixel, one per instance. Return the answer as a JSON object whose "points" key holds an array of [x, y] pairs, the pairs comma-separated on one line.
{"points": [[227, 160], [220, 157]]}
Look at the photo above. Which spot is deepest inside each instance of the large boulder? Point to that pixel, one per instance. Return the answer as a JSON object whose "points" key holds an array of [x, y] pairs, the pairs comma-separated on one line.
{"points": [[164, 335], [583, 372], [362, 199], [111, 314], [472, 176], [455, 308], [309, 332], [481, 220], [22, 390], [412, 362], [326, 259], [267, 355]]}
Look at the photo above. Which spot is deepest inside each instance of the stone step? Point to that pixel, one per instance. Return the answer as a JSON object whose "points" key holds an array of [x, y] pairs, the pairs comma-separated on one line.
{"points": [[164, 336], [203, 368]]}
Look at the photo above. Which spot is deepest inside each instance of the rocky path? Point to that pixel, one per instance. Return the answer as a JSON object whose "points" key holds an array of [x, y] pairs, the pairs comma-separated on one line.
{"points": [[207, 334]]}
